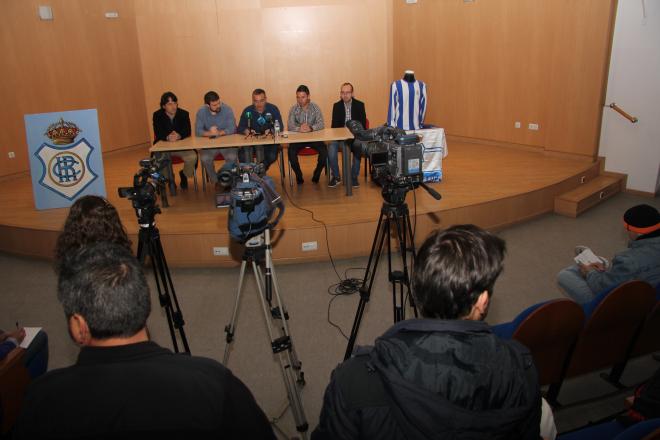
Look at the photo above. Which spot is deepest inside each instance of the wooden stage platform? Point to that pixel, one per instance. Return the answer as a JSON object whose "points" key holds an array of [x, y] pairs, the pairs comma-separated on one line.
{"points": [[491, 186]]}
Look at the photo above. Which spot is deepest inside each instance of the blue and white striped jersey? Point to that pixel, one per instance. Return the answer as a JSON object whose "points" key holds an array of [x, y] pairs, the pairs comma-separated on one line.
{"points": [[407, 104]]}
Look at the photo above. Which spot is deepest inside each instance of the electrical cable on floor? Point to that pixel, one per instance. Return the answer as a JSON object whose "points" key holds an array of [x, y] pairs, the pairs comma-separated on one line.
{"points": [[348, 286], [345, 286]]}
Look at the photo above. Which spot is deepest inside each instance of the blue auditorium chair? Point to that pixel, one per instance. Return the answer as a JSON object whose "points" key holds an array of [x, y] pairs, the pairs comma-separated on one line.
{"points": [[616, 431]]}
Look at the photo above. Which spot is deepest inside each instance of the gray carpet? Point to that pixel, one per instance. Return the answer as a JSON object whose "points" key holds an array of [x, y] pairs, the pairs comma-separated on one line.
{"points": [[537, 250]]}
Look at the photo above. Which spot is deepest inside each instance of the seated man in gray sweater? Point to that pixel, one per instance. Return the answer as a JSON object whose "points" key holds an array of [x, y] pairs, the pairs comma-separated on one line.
{"points": [[215, 119]]}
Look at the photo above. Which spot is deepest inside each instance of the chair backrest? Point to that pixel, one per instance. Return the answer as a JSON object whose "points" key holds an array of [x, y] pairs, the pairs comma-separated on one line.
{"points": [[307, 151], [648, 340], [550, 331], [608, 333], [14, 379], [650, 429]]}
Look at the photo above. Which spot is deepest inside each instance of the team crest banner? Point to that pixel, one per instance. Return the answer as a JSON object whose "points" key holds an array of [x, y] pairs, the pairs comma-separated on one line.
{"points": [[65, 157]]}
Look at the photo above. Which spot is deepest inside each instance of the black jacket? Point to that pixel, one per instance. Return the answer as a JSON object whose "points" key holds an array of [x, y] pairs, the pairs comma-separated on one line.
{"points": [[140, 390], [163, 125], [358, 113], [433, 379]]}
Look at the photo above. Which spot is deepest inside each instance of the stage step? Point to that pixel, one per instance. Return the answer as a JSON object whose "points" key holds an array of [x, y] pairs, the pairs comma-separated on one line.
{"points": [[589, 194]]}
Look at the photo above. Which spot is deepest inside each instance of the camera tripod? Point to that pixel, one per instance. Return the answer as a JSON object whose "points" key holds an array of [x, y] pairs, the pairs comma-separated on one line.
{"points": [[394, 211], [257, 253], [149, 245], [396, 214]]}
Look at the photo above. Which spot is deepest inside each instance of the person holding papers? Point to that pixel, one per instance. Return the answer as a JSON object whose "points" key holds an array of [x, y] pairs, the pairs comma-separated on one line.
{"points": [[641, 261], [36, 345]]}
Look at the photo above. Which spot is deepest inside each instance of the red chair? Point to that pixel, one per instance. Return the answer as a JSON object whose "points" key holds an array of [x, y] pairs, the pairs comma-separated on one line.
{"points": [[14, 379], [610, 330], [176, 160], [550, 332], [205, 176], [308, 151], [646, 342]]}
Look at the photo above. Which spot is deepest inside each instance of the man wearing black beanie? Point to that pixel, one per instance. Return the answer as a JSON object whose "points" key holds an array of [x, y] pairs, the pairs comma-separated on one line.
{"points": [[640, 261]]}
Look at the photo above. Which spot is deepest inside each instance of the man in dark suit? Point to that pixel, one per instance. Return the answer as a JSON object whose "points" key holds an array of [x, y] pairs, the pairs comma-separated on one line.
{"points": [[344, 110]]}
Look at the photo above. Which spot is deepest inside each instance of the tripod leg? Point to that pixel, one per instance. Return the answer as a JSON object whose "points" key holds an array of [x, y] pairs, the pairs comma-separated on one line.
{"points": [[231, 327], [162, 297], [282, 347], [295, 361], [367, 282], [172, 300], [408, 228]]}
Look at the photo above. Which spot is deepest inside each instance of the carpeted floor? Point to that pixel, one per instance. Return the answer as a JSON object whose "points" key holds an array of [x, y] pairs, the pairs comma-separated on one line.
{"points": [[537, 250]]}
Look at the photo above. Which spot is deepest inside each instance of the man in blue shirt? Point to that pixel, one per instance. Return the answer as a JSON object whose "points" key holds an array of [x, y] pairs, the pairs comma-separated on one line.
{"points": [[215, 119], [259, 119]]}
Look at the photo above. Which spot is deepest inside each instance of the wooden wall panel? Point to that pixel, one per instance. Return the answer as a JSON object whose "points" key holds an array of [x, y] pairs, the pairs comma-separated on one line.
{"points": [[233, 47], [79, 60], [491, 63]]}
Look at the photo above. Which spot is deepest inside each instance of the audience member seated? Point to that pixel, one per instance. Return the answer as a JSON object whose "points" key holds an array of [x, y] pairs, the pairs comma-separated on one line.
{"points": [[639, 262], [124, 385], [446, 375], [91, 219], [36, 355]]}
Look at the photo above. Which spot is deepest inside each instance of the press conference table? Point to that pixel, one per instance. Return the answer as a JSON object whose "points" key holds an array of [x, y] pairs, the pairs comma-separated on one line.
{"points": [[287, 137]]}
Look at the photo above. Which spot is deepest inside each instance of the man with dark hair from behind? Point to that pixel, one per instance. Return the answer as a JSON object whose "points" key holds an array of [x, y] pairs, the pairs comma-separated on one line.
{"points": [[446, 375], [124, 385]]}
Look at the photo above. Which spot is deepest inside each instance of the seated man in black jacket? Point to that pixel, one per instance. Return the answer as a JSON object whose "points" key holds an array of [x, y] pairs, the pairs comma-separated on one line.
{"points": [[446, 375], [171, 124], [123, 385]]}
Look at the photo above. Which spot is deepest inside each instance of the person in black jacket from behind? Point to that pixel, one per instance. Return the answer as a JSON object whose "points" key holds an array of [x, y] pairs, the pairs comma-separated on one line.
{"points": [[445, 376], [123, 385]]}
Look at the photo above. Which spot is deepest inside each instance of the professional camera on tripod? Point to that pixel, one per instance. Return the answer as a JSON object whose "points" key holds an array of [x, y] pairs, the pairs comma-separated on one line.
{"points": [[396, 159], [253, 201], [148, 183]]}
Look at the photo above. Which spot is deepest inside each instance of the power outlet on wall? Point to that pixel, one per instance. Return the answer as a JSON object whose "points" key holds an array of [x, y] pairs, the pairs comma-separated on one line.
{"points": [[533, 126], [221, 251], [310, 246], [11, 155]]}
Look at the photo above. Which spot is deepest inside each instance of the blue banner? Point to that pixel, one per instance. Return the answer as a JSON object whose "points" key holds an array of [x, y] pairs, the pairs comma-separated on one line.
{"points": [[65, 157]]}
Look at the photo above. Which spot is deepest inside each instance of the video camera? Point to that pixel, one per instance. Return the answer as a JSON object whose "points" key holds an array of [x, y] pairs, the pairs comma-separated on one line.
{"points": [[147, 184], [253, 200], [396, 157]]}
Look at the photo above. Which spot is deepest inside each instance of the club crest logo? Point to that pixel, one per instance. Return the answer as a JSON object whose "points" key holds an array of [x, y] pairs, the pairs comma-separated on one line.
{"points": [[65, 165]]}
